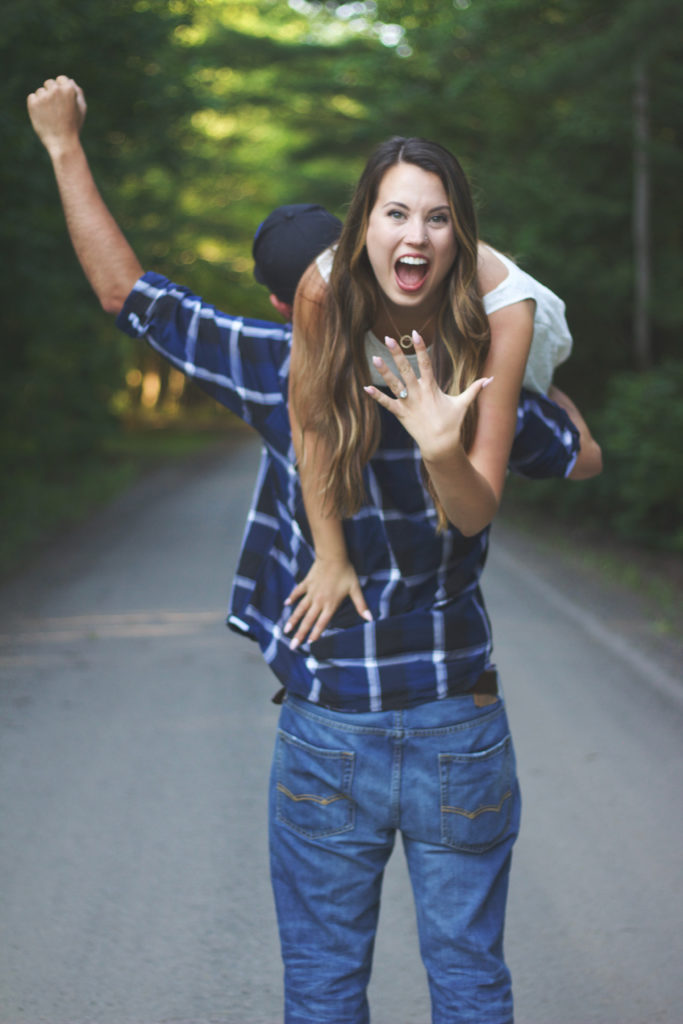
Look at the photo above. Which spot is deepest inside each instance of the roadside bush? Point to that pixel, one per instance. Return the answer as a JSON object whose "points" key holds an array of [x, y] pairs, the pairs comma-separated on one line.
{"points": [[641, 432], [639, 495]]}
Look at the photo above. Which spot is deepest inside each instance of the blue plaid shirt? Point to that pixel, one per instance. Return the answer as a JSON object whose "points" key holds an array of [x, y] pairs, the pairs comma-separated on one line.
{"points": [[430, 637]]}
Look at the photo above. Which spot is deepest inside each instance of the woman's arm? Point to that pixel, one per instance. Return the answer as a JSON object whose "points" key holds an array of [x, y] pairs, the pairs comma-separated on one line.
{"points": [[332, 577], [469, 485], [490, 273], [511, 333]]}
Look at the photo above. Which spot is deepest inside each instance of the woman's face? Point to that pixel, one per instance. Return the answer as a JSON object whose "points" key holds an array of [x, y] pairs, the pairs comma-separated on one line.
{"points": [[410, 239]]}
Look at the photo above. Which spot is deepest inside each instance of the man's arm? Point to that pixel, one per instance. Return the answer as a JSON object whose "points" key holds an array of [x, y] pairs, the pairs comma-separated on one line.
{"points": [[552, 439], [57, 111]]}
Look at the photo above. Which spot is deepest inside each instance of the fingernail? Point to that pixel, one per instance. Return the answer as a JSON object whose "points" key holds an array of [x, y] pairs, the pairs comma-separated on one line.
{"points": [[287, 628], [377, 360], [369, 390], [417, 340], [390, 343], [294, 644], [486, 383], [367, 615]]}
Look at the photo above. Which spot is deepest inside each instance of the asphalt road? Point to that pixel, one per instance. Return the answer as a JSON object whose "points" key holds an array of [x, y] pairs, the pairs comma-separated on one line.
{"points": [[135, 739]]}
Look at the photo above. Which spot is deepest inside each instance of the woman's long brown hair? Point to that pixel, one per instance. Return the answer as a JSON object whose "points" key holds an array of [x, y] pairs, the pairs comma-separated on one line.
{"points": [[331, 367]]}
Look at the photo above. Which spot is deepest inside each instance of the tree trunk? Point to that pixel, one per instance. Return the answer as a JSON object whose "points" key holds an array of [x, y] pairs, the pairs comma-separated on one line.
{"points": [[641, 218]]}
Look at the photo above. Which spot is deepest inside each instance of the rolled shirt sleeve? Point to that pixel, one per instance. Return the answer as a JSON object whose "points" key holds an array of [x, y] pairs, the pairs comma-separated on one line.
{"points": [[546, 441], [242, 363]]}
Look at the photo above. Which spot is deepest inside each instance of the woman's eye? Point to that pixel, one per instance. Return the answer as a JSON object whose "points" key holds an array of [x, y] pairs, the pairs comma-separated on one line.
{"points": [[396, 214], [439, 218]]}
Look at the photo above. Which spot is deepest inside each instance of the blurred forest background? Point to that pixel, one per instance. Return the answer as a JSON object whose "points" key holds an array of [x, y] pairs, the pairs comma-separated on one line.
{"points": [[205, 114]]}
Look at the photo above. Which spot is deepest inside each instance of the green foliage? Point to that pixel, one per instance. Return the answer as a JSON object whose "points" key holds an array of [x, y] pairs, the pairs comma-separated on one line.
{"points": [[204, 114], [537, 98], [63, 360], [642, 426], [638, 497]]}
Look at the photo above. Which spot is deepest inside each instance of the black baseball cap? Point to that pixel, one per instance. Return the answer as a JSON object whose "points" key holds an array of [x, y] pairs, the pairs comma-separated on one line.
{"points": [[287, 241]]}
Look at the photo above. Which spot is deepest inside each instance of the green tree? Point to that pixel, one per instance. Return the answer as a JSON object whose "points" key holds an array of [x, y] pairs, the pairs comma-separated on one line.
{"points": [[537, 97], [59, 373], [204, 114]]}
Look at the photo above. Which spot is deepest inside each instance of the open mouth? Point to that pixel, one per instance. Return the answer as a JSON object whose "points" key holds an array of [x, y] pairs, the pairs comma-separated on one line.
{"points": [[411, 272]]}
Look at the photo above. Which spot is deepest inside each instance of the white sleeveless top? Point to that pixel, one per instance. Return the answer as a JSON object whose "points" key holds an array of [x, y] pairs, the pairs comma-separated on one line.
{"points": [[551, 342]]}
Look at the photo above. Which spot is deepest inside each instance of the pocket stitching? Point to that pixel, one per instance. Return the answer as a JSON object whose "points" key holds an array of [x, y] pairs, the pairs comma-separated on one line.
{"points": [[323, 800], [346, 760], [480, 810], [502, 749]]}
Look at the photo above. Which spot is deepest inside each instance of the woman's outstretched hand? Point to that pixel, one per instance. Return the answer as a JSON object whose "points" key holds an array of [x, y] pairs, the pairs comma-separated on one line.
{"points": [[433, 418], [327, 583]]}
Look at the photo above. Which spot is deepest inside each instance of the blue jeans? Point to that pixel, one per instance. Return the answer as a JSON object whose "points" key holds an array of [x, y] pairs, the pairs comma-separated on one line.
{"points": [[443, 774]]}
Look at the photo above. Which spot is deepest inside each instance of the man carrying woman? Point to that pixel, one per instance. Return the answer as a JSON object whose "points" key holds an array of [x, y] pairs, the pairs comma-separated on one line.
{"points": [[392, 716]]}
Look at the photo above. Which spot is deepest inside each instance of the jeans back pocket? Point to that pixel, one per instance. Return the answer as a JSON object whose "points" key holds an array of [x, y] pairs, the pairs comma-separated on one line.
{"points": [[477, 797], [313, 787]]}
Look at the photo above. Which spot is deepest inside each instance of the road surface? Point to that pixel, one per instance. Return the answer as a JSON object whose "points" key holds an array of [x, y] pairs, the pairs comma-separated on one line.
{"points": [[135, 739]]}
